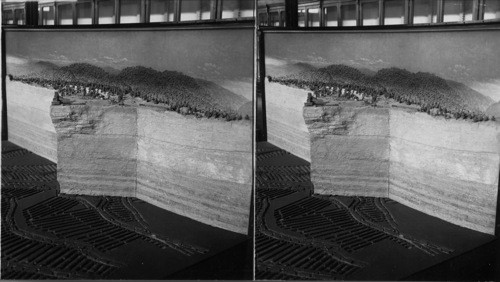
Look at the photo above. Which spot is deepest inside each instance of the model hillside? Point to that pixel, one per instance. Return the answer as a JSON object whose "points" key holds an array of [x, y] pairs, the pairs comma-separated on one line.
{"points": [[177, 91], [429, 92]]}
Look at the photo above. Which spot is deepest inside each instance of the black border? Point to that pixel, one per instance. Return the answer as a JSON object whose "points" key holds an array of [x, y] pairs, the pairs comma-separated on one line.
{"points": [[482, 25], [216, 24]]}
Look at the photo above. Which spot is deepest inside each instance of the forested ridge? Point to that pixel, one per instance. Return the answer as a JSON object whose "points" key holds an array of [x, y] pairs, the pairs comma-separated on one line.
{"points": [[431, 93], [179, 92]]}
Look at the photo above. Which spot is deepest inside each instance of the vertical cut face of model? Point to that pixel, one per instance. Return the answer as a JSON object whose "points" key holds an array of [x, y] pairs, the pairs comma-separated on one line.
{"points": [[409, 116], [170, 125]]}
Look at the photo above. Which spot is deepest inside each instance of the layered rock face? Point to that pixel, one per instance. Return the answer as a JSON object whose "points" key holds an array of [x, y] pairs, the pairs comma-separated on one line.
{"points": [[28, 118], [199, 168], [445, 168], [96, 149], [285, 123], [349, 149]]}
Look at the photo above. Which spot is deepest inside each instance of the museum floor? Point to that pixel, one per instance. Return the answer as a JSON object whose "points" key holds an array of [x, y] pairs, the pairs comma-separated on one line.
{"points": [[302, 235], [48, 235]]}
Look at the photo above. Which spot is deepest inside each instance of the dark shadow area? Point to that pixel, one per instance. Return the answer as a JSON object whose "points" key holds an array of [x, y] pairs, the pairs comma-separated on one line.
{"points": [[235, 263], [482, 263]]}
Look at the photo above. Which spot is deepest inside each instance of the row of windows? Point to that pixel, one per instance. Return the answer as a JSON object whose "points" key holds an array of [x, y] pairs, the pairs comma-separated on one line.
{"points": [[133, 11], [13, 16], [386, 12]]}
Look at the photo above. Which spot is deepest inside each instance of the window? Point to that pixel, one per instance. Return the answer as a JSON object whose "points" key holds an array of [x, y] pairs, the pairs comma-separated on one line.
{"points": [[83, 13], [313, 17], [425, 11], [247, 8], [348, 13], [394, 12], [230, 9], [263, 19], [161, 11], [8, 17], [65, 14], [274, 19], [283, 18], [19, 16], [457, 11], [237, 9], [491, 9], [130, 11], [468, 6], [370, 13], [206, 10], [47, 15], [302, 18], [192, 10], [331, 16], [106, 12]]}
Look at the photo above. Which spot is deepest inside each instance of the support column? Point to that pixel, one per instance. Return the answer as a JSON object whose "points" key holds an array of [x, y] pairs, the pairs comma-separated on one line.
{"points": [[144, 11], [213, 9], [409, 12], [261, 91], [95, 12], [381, 12], [480, 15], [440, 11], [359, 12], [177, 11], [321, 14], [117, 11], [5, 133], [31, 13], [75, 13], [56, 14], [475, 10], [292, 13]]}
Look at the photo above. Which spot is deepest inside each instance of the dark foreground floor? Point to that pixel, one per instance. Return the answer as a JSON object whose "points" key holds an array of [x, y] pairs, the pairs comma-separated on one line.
{"points": [[302, 235], [55, 236]]}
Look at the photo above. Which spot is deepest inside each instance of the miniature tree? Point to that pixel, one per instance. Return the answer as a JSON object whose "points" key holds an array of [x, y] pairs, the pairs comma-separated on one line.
{"points": [[56, 100], [309, 101]]}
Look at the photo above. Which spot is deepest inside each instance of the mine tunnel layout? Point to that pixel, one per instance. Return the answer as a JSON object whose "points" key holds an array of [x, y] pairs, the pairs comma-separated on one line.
{"points": [[48, 235], [306, 236]]}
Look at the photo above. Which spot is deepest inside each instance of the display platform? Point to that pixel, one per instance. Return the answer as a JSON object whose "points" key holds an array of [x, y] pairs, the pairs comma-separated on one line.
{"points": [[306, 236], [49, 235]]}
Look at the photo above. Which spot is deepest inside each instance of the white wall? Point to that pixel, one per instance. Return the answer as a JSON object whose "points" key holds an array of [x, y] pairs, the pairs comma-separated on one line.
{"points": [[28, 118]]}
